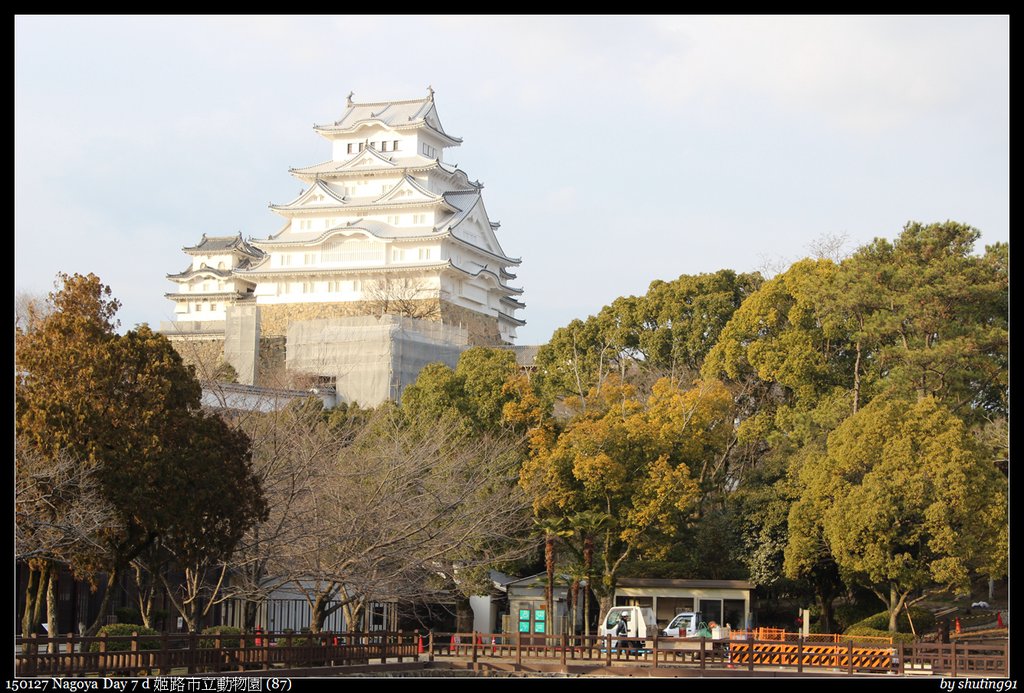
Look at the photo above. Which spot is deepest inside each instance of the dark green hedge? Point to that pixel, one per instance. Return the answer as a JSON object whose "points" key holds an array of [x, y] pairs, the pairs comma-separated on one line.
{"points": [[118, 629]]}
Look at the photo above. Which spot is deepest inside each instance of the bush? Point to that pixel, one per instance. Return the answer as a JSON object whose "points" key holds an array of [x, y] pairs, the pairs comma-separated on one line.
{"points": [[850, 613], [222, 631], [853, 631], [128, 614], [924, 622], [119, 629]]}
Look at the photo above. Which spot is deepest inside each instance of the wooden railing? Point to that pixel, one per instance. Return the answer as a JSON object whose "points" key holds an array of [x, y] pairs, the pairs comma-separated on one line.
{"points": [[190, 653], [184, 654]]}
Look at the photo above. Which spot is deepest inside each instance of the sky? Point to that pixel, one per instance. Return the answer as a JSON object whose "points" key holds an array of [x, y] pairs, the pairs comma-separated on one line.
{"points": [[614, 150]]}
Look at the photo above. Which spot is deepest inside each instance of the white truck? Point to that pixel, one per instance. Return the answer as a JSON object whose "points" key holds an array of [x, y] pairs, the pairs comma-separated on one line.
{"points": [[629, 626], [684, 625]]}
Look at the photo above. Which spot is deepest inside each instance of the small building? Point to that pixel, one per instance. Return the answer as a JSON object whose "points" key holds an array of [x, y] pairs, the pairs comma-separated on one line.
{"points": [[528, 608], [725, 601]]}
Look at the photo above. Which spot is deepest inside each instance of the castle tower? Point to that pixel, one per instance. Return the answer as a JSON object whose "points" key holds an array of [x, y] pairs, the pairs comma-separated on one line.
{"points": [[385, 226]]}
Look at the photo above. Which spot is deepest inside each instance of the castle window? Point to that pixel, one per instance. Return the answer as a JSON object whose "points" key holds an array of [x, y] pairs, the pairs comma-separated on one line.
{"points": [[394, 146], [213, 306], [397, 255], [424, 253], [309, 259], [383, 146], [308, 287], [360, 146], [428, 150], [350, 147], [357, 285], [394, 219], [419, 218]]}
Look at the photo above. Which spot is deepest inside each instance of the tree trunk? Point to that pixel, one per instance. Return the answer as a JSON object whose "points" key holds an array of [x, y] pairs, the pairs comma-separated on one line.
{"points": [[53, 628], [104, 603], [825, 602], [856, 380], [549, 566], [463, 615], [893, 607], [574, 593], [251, 610], [29, 618], [588, 568]]}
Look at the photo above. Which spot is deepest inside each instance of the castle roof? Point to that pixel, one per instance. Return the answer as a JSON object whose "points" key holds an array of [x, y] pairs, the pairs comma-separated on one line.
{"points": [[221, 244], [396, 115]]}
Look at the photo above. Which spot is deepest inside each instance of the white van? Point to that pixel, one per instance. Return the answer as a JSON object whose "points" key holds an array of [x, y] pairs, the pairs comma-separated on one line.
{"points": [[629, 623]]}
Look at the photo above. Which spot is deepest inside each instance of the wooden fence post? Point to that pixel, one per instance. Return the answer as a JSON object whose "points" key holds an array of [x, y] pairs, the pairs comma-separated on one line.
{"points": [[134, 660], [28, 651], [953, 649], [242, 651], [849, 661], [102, 665], [565, 644], [519, 650], [800, 655], [430, 647], [899, 658], [655, 649], [750, 664]]}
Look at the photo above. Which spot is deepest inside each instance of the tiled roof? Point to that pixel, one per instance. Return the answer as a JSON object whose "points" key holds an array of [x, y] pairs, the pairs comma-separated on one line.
{"points": [[394, 114], [215, 244]]}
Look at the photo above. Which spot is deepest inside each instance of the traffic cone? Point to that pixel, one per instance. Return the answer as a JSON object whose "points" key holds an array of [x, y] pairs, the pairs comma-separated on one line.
{"points": [[259, 640], [957, 624], [419, 645], [999, 619]]}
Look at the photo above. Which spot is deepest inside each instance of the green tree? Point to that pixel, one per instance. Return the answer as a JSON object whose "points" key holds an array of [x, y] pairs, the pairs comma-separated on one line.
{"points": [[633, 461], [904, 499], [668, 331], [473, 393], [126, 408]]}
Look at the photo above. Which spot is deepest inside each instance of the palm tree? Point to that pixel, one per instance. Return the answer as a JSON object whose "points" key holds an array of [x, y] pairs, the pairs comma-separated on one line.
{"points": [[586, 525], [551, 528]]}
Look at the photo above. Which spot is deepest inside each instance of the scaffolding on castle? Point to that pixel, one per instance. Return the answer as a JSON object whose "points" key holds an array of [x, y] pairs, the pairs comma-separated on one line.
{"points": [[371, 359]]}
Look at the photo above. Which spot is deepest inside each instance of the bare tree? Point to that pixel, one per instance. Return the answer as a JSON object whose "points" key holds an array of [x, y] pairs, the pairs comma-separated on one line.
{"points": [[29, 308], [396, 513], [60, 515], [403, 296], [830, 246]]}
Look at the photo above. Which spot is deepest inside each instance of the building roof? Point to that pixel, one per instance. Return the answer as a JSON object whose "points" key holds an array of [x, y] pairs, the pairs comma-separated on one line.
{"points": [[397, 115], [221, 244], [655, 583]]}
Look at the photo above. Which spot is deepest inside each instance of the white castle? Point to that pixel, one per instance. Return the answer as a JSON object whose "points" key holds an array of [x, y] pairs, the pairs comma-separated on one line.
{"points": [[385, 227]]}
